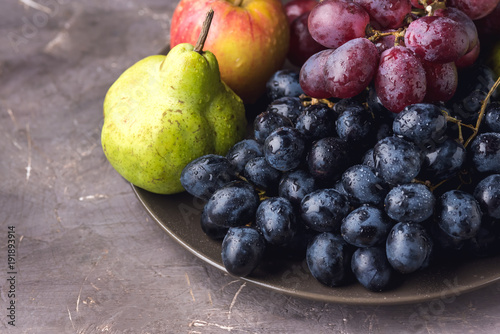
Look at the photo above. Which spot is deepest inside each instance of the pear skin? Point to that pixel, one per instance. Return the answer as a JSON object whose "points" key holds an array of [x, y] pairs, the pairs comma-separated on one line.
{"points": [[165, 111]]}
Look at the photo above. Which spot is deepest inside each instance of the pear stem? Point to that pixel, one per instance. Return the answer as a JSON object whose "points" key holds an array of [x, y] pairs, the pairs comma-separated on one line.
{"points": [[204, 31]]}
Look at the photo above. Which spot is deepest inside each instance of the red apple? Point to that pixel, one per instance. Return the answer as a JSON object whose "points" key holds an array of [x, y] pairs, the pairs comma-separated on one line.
{"points": [[249, 38]]}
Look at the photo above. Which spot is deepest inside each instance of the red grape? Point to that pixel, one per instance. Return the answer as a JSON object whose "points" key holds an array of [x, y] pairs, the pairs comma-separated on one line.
{"points": [[489, 26], [416, 4], [312, 75], [461, 18], [302, 45], [437, 39], [389, 14], [469, 58], [475, 9], [296, 8], [351, 67], [441, 80], [334, 22], [400, 79]]}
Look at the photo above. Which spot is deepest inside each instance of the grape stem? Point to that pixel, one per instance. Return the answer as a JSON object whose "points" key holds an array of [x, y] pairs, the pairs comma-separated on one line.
{"points": [[308, 100]]}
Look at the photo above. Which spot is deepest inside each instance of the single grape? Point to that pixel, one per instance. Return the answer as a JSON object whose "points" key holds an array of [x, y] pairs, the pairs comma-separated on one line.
{"points": [[334, 22], [387, 13], [324, 209], [312, 77], [242, 250], [400, 79], [485, 150], [361, 182], [283, 83], [267, 122], [258, 172], [276, 220], [328, 258], [475, 9], [420, 123], [290, 107], [372, 269], [408, 247], [487, 193], [212, 230], [409, 203], [397, 160], [328, 158], [458, 214], [295, 8], [437, 39], [284, 149], [461, 18], [302, 45], [204, 175], [242, 152], [468, 59], [295, 185], [366, 226], [355, 125], [442, 160], [316, 121], [492, 116], [232, 205], [441, 79]]}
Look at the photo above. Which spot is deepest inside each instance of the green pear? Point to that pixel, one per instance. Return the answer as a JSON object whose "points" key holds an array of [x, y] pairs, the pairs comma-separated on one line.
{"points": [[165, 111]]}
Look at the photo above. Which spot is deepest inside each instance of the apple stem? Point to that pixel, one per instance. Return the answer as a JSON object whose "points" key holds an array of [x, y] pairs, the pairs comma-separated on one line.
{"points": [[204, 31], [237, 3]]}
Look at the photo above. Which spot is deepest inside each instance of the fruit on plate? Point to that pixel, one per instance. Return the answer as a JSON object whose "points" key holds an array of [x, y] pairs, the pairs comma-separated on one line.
{"points": [[250, 39], [165, 111]]}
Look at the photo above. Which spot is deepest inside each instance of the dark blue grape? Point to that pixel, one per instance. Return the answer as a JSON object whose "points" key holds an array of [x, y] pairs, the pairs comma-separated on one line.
{"points": [[232, 205], [459, 214], [204, 175], [290, 107], [408, 247], [411, 202], [354, 124], [242, 152], [328, 158], [420, 123], [372, 269], [367, 158], [486, 242], [468, 107], [328, 257], [243, 248], [212, 230], [267, 122], [487, 194], [283, 83], [365, 226], [345, 104], [443, 160], [284, 149], [276, 220], [360, 182], [295, 185], [324, 209], [485, 149], [492, 116], [258, 172], [316, 121], [397, 160]]}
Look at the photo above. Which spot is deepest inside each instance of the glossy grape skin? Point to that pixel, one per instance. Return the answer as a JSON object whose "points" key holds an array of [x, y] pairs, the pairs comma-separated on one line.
{"points": [[259, 173], [458, 214], [372, 269], [212, 230], [312, 78], [204, 175], [283, 83], [354, 124], [408, 247], [289, 107], [410, 203], [365, 226], [316, 121], [334, 22], [487, 193], [485, 149], [389, 14], [295, 185], [267, 122], [400, 79], [243, 248], [328, 158], [276, 220], [475, 9], [460, 17], [328, 258], [350, 68], [242, 152], [468, 59], [284, 149], [368, 158], [232, 205], [295, 8], [492, 116], [362, 183], [420, 123], [302, 45], [437, 39], [324, 209], [443, 160], [397, 161], [441, 80]]}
